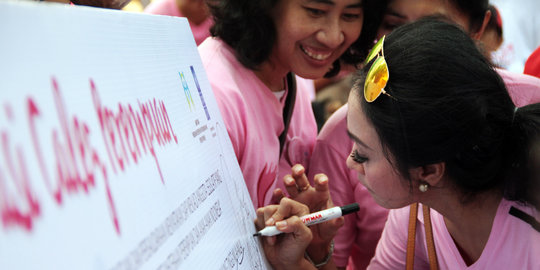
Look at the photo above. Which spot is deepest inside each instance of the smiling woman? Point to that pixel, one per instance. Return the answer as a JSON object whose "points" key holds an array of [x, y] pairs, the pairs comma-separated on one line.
{"points": [[312, 35], [256, 46]]}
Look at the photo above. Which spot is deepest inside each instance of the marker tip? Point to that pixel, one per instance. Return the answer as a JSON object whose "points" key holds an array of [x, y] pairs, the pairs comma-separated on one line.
{"points": [[256, 234]]}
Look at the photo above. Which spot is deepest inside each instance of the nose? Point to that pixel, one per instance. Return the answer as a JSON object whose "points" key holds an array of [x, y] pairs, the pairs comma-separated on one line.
{"points": [[331, 35]]}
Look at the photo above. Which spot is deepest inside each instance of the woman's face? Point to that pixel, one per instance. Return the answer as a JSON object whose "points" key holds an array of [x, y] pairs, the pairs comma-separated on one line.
{"points": [[312, 34], [375, 172], [400, 12]]}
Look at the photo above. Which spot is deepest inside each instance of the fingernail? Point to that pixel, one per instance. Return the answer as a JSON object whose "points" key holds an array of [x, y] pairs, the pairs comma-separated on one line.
{"points": [[281, 225], [269, 222], [324, 180], [288, 180]]}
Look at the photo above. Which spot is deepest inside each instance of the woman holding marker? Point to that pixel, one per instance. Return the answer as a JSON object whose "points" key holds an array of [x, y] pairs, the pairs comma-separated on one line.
{"points": [[256, 48], [356, 241], [432, 124], [315, 218]]}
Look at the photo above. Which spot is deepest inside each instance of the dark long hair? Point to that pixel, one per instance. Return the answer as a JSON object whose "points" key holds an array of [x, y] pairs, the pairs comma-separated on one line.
{"points": [[449, 105], [247, 26]]}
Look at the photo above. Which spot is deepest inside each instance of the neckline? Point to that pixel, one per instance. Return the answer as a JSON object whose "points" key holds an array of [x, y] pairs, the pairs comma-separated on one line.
{"points": [[491, 242]]}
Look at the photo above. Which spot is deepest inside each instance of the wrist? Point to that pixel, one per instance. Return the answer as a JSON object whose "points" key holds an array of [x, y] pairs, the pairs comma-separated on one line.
{"points": [[320, 255], [303, 264], [318, 251]]}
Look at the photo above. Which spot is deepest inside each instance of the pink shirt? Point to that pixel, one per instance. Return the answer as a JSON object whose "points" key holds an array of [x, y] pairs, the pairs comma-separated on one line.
{"points": [[358, 237], [253, 116], [523, 89], [169, 8], [512, 243]]}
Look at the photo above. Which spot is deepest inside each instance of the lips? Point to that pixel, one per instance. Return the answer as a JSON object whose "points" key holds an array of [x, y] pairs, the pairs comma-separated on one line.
{"points": [[316, 55]]}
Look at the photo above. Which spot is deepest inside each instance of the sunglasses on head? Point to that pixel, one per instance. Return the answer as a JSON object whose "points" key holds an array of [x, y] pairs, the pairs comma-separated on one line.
{"points": [[378, 74]]}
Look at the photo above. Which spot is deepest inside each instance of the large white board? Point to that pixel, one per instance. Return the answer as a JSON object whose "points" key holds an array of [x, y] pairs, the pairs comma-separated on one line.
{"points": [[113, 154]]}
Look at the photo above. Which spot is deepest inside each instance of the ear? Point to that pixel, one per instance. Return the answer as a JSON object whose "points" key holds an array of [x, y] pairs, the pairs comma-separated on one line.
{"points": [[431, 174], [478, 34]]}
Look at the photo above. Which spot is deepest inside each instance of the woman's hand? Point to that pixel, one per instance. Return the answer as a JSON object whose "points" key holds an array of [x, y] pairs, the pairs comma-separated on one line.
{"points": [[317, 198], [286, 250]]}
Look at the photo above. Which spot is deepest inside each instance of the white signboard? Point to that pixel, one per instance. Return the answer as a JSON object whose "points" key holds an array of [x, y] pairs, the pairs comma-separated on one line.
{"points": [[113, 154]]}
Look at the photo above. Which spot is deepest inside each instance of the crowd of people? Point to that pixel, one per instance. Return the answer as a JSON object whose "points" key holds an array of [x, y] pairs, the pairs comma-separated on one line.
{"points": [[450, 130], [436, 140]]}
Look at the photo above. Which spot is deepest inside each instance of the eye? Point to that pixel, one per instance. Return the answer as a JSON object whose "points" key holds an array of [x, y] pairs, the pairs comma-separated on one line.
{"points": [[391, 22], [357, 157], [315, 12], [389, 26], [351, 16]]}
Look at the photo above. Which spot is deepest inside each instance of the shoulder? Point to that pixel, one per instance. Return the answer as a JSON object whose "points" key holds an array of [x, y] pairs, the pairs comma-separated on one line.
{"points": [[336, 124], [224, 72], [217, 55], [518, 79], [518, 229], [334, 132], [392, 247], [523, 89], [214, 49], [332, 147], [523, 217], [333, 144]]}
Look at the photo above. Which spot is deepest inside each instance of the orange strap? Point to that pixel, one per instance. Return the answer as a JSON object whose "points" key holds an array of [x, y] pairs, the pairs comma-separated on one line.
{"points": [[411, 236], [432, 254]]}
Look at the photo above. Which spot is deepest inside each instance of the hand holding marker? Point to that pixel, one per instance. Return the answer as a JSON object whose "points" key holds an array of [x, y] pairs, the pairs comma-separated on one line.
{"points": [[315, 218]]}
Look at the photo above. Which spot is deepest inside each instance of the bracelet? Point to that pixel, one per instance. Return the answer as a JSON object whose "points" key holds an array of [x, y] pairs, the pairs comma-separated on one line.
{"points": [[326, 259]]}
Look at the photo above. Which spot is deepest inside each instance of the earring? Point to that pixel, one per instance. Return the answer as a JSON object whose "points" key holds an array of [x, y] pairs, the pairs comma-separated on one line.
{"points": [[423, 187]]}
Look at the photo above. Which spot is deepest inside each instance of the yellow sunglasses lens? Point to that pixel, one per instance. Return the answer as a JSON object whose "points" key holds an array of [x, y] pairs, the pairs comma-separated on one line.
{"points": [[376, 79], [375, 50]]}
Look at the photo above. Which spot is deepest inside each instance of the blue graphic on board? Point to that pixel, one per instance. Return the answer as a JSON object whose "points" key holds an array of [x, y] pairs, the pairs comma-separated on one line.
{"points": [[200, 92]]}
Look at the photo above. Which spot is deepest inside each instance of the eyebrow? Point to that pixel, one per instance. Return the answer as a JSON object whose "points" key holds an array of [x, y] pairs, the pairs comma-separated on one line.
{"points": [[357, 140], [331, 2]]}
